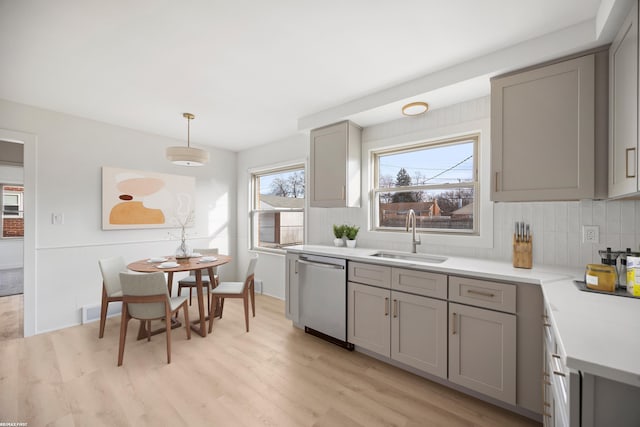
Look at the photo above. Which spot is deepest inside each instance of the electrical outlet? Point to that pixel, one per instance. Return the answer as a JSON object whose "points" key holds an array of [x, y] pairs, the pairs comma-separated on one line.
{"points": [[590, 234]]}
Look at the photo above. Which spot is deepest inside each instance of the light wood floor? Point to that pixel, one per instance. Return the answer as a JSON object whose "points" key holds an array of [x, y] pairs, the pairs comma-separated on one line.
{"points": [[275, 375], [11, 323]]}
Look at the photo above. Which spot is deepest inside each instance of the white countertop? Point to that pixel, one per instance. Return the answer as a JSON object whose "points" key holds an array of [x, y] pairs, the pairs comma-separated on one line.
{"points": [[598, 333], [483, 268]]}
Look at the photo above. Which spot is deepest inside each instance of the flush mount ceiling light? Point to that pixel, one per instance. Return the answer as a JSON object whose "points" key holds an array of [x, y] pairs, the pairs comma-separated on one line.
{"points": [[187, 156], [415, 108]]}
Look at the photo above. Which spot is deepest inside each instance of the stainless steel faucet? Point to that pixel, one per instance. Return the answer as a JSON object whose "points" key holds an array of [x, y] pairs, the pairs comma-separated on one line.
{"points": [[411, 220]]}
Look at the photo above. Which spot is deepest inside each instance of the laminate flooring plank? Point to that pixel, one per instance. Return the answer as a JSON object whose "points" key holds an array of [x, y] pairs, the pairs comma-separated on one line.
{"points": [[275, 375]]}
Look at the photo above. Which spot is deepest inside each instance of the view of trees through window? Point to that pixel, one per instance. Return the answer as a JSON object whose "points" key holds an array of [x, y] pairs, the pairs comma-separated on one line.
{"points": [[278, 212], [437, 181]]}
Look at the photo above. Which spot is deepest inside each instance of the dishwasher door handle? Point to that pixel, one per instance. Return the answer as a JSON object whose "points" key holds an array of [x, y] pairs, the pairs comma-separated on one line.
{"points": [[321, 265]]}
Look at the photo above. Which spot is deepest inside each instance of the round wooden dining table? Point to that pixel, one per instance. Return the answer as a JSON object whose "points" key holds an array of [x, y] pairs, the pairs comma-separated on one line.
{"points": [[195, 264]]}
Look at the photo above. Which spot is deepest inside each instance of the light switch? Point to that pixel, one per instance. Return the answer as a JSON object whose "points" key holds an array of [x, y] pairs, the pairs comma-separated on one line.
{"points": [[57, 218]]}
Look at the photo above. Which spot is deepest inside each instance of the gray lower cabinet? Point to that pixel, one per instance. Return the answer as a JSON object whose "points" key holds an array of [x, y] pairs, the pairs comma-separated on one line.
{"points": [[368, 324], [291, 287], [482, 351], [408, 328]]}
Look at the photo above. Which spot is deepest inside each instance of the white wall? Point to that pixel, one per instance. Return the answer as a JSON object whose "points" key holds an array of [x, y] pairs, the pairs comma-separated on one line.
{"points": [[11, 249], [270, 267], [556, 226], [69, 155], [460, 119]]}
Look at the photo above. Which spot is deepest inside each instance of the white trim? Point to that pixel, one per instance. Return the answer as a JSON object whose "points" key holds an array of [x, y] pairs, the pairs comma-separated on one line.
{"points": [[484, 239], [260, 170], [30, 167]]}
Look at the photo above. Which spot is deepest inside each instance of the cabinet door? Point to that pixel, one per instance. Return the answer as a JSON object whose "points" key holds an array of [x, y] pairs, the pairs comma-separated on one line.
{"points": [[482, 351], [335, 166], [368, 324], [542, 133], [419, 332], [623, 108], [291, 288]]}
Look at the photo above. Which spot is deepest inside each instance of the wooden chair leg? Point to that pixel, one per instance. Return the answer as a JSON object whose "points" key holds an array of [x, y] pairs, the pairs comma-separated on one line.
{"points": [[103, 312], [187, 325], [245, 301], [148, 330], [123, 333], [208, 291], [190, 294], [212, 310], [253, 299], [221, 306], [167, 318]]}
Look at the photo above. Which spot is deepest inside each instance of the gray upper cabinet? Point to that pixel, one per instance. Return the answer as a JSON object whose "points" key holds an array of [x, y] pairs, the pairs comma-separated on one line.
{"points": [[543, 132], [623, 111], [335, 166]]}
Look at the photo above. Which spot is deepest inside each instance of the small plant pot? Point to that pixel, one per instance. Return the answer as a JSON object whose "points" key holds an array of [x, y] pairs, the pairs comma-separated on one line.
{"points": [[351, 243], [338, 242]]}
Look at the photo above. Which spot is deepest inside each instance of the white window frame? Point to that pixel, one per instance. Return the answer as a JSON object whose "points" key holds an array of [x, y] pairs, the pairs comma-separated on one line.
{"points": [[376, 190], [254, 210]]}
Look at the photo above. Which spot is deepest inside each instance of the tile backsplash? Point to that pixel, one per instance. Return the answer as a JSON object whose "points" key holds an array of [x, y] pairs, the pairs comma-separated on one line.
{"points": [[556, 228]]}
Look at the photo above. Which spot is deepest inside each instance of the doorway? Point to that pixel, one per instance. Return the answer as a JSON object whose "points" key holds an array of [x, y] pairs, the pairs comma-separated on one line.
{"points": [[11, 240]]}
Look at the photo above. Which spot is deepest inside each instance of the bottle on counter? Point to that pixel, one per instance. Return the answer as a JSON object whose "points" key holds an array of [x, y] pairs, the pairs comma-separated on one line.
{"points": [[622, 276]]}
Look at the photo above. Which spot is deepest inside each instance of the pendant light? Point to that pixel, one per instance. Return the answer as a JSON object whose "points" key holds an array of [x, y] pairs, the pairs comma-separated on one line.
{"points": [[187, 156]]}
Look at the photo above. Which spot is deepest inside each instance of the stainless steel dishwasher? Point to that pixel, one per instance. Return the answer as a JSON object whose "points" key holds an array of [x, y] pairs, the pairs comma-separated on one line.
{"points": [[323, 297]]}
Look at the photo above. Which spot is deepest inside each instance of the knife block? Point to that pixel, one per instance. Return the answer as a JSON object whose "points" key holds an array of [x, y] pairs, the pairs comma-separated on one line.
{"points": [[522, 257]]}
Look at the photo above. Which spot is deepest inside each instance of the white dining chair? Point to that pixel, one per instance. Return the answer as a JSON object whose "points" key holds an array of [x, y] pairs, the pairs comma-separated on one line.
{"points": [[111, 288], [190, 280], [244, 290], [145, 296]]}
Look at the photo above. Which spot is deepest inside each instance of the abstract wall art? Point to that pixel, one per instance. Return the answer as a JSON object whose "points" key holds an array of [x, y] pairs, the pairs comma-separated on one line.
{"points": [[137, 199]]}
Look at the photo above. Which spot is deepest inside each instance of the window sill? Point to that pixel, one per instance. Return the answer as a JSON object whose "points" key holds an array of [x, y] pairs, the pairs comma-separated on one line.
{"points": [[281, 252]]}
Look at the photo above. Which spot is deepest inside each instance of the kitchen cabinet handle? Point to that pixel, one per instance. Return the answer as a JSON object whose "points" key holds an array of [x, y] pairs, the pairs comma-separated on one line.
{"points": [[496, 182], [484, 294], [386, 306], [344, 192], [453, 332], [548, 325], [547, 404], [562, 374], [395, 308], [546, 414], [626, 158], [556, 356], [295, 270], [321, 265]]}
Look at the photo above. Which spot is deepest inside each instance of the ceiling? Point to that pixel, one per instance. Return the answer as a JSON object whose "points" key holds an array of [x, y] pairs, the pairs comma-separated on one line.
{"points": [[251, 71]]}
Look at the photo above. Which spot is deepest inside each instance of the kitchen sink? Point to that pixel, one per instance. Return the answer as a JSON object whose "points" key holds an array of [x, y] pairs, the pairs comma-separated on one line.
{"points": [[430, 259]]}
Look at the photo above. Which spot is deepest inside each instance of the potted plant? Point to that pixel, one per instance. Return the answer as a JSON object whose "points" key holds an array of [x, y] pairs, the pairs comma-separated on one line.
{"points": [[338, 231], [350, 232]]}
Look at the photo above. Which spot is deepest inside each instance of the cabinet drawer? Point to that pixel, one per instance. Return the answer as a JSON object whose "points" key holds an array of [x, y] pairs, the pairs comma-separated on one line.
{"points": [[419, 282], [369, 274], [482, 293]]}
